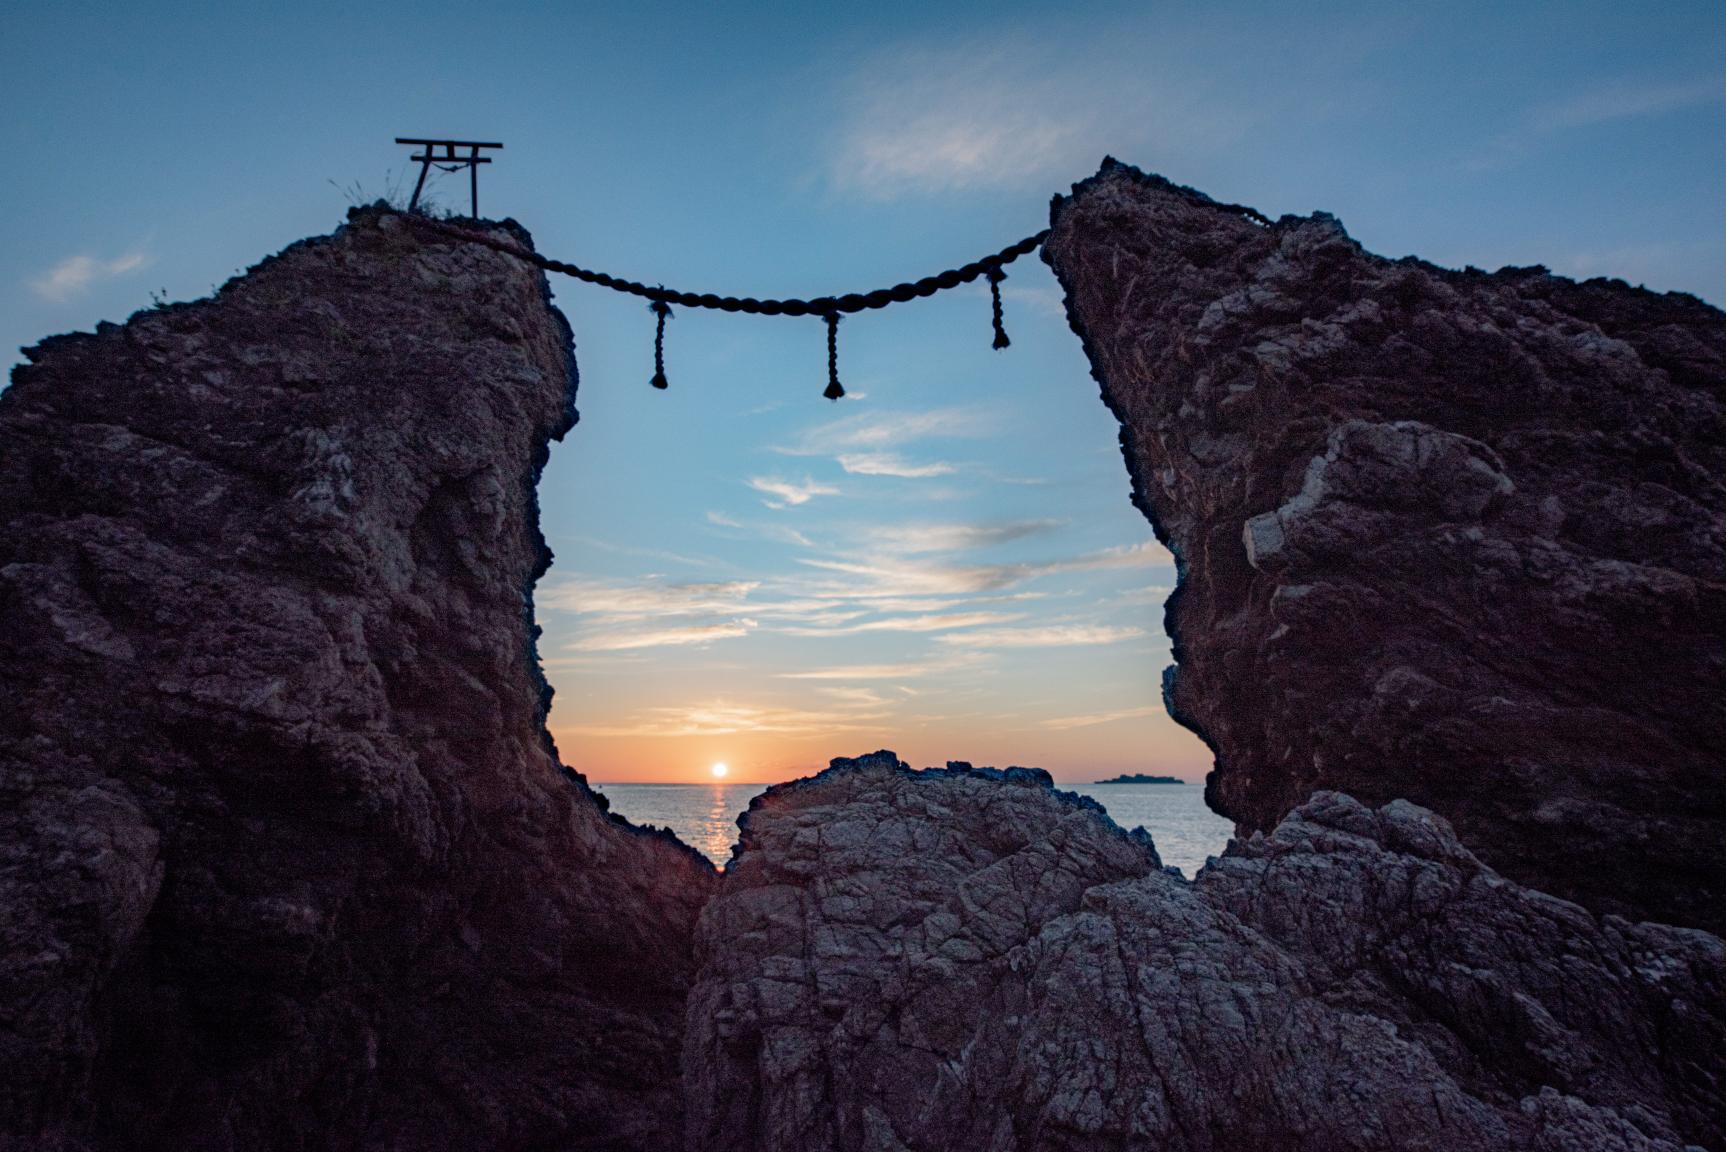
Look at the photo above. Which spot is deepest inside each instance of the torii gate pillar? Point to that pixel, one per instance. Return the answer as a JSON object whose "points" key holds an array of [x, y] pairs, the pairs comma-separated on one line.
{"points": [[450, 162]]}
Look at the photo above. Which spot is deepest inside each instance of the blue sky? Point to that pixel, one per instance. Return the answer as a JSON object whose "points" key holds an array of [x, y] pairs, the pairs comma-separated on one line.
{"points": [[945, 563]]}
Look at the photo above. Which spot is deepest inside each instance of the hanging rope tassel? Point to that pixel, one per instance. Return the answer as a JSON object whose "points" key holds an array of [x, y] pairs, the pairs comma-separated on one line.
{"points": [[996, 275], [662, 310], [834, 390], [829, 308]]}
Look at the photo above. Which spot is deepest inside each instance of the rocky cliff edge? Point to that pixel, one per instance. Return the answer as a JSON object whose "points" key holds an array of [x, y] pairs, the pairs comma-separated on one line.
{"points": [[1453, 537], [289, 860], [950, 959]]}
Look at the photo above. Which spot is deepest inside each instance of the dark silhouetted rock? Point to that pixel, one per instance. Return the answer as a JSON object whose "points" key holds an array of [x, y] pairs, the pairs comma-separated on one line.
{"points": [[1454, 537], [289, 860], [952, 959]]}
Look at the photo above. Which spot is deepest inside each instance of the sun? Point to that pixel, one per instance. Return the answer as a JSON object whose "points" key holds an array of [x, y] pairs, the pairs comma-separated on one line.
{"points": [[719, 770]]}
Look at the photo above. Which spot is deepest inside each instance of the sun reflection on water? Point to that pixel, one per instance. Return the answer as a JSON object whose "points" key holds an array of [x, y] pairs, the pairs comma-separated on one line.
{"points": [[719, 828], [704, 816]]}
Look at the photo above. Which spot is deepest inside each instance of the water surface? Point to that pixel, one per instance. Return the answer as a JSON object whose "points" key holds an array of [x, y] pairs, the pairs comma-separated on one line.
{"points": [[704, 816]]}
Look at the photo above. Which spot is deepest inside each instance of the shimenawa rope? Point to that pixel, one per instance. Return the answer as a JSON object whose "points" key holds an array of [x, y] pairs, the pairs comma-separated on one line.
{"points": [[829, 308]]}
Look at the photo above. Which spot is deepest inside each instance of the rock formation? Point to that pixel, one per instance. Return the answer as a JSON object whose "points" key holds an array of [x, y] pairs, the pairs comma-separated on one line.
{"points": [[289, 860], [1448, 536], [968, 959]]}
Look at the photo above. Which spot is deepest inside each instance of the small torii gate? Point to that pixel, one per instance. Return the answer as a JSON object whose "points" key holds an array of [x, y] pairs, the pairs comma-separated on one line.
{"points": [[660, 298], [449, 162]]}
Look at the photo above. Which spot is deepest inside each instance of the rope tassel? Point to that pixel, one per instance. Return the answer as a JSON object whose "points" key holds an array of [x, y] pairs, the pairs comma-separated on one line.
{"points": [[662, 310], [834, 390], [829, 308], [996, 275]]}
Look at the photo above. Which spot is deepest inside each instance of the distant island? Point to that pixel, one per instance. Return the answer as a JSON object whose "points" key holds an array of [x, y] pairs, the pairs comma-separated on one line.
{"points": [[1141, 778]]}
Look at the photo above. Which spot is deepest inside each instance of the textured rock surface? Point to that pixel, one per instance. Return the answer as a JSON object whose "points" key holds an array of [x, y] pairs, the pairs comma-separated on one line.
{"points": [[945, 960], [289, 861], [1454, 537]]}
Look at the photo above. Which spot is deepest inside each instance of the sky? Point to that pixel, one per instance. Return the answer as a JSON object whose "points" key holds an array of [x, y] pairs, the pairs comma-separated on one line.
{"points": [[945, 563]]}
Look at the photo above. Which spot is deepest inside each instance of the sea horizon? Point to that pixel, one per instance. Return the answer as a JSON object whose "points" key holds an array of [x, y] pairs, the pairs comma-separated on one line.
{"points": [[1185, 832]]}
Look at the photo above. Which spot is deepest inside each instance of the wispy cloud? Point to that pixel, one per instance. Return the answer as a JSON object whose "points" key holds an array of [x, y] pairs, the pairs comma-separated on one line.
{"points": [[707, 563], [899, 586], [1627, 100], [871, 443], [910, 670], [861, 697], [906, 576], [618, 640], [1063, 723], [934, 622], [777, 532], [942, 603], [1610, 102], [1140, 555], [76, 274], [1046, 636], [789, 492], [641, 599], [866, 579], [890, 464], [1047, 301], [622, 601], [722, 718], [1148, 594], [783, 534], [917, 538], [630, 615], [1016, 110], [874, 432]]}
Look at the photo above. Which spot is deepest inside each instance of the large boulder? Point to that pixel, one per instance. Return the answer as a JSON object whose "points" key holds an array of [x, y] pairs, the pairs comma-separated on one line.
{"points": [[1448, 536], [287, 858], [962, 958]]}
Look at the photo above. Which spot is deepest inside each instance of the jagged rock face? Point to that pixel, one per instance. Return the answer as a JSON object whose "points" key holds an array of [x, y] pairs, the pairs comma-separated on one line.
{"points": [[951, 959], [289, 858], [1453, 537]]}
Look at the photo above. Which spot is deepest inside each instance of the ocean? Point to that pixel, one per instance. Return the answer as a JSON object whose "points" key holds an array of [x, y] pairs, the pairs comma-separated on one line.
{"points": [[704, 816]]}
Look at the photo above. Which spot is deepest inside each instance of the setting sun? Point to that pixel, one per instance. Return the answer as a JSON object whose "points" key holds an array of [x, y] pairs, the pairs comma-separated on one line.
{"points": [[719, 771]]}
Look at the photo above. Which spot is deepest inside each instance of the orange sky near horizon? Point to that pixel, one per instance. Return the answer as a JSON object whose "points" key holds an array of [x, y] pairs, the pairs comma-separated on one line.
{"points": [[946, 563], [776, 583], [1149, 743], [1060, 668]]}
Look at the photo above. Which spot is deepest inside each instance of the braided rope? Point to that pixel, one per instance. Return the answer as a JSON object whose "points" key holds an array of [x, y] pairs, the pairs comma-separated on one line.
{"points": [[818, 306], [829, 308], [662, 310], [995, 278], [834, 391]]}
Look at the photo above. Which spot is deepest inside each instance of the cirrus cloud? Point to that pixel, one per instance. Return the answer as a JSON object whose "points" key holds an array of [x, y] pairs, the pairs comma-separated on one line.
{"points": [[625, 639], [1019, 110], [76, 274], [644, 598], [789, 492], [724, 718], [932, 622], [890, 464], [1064, 723], [1046, 636]]}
